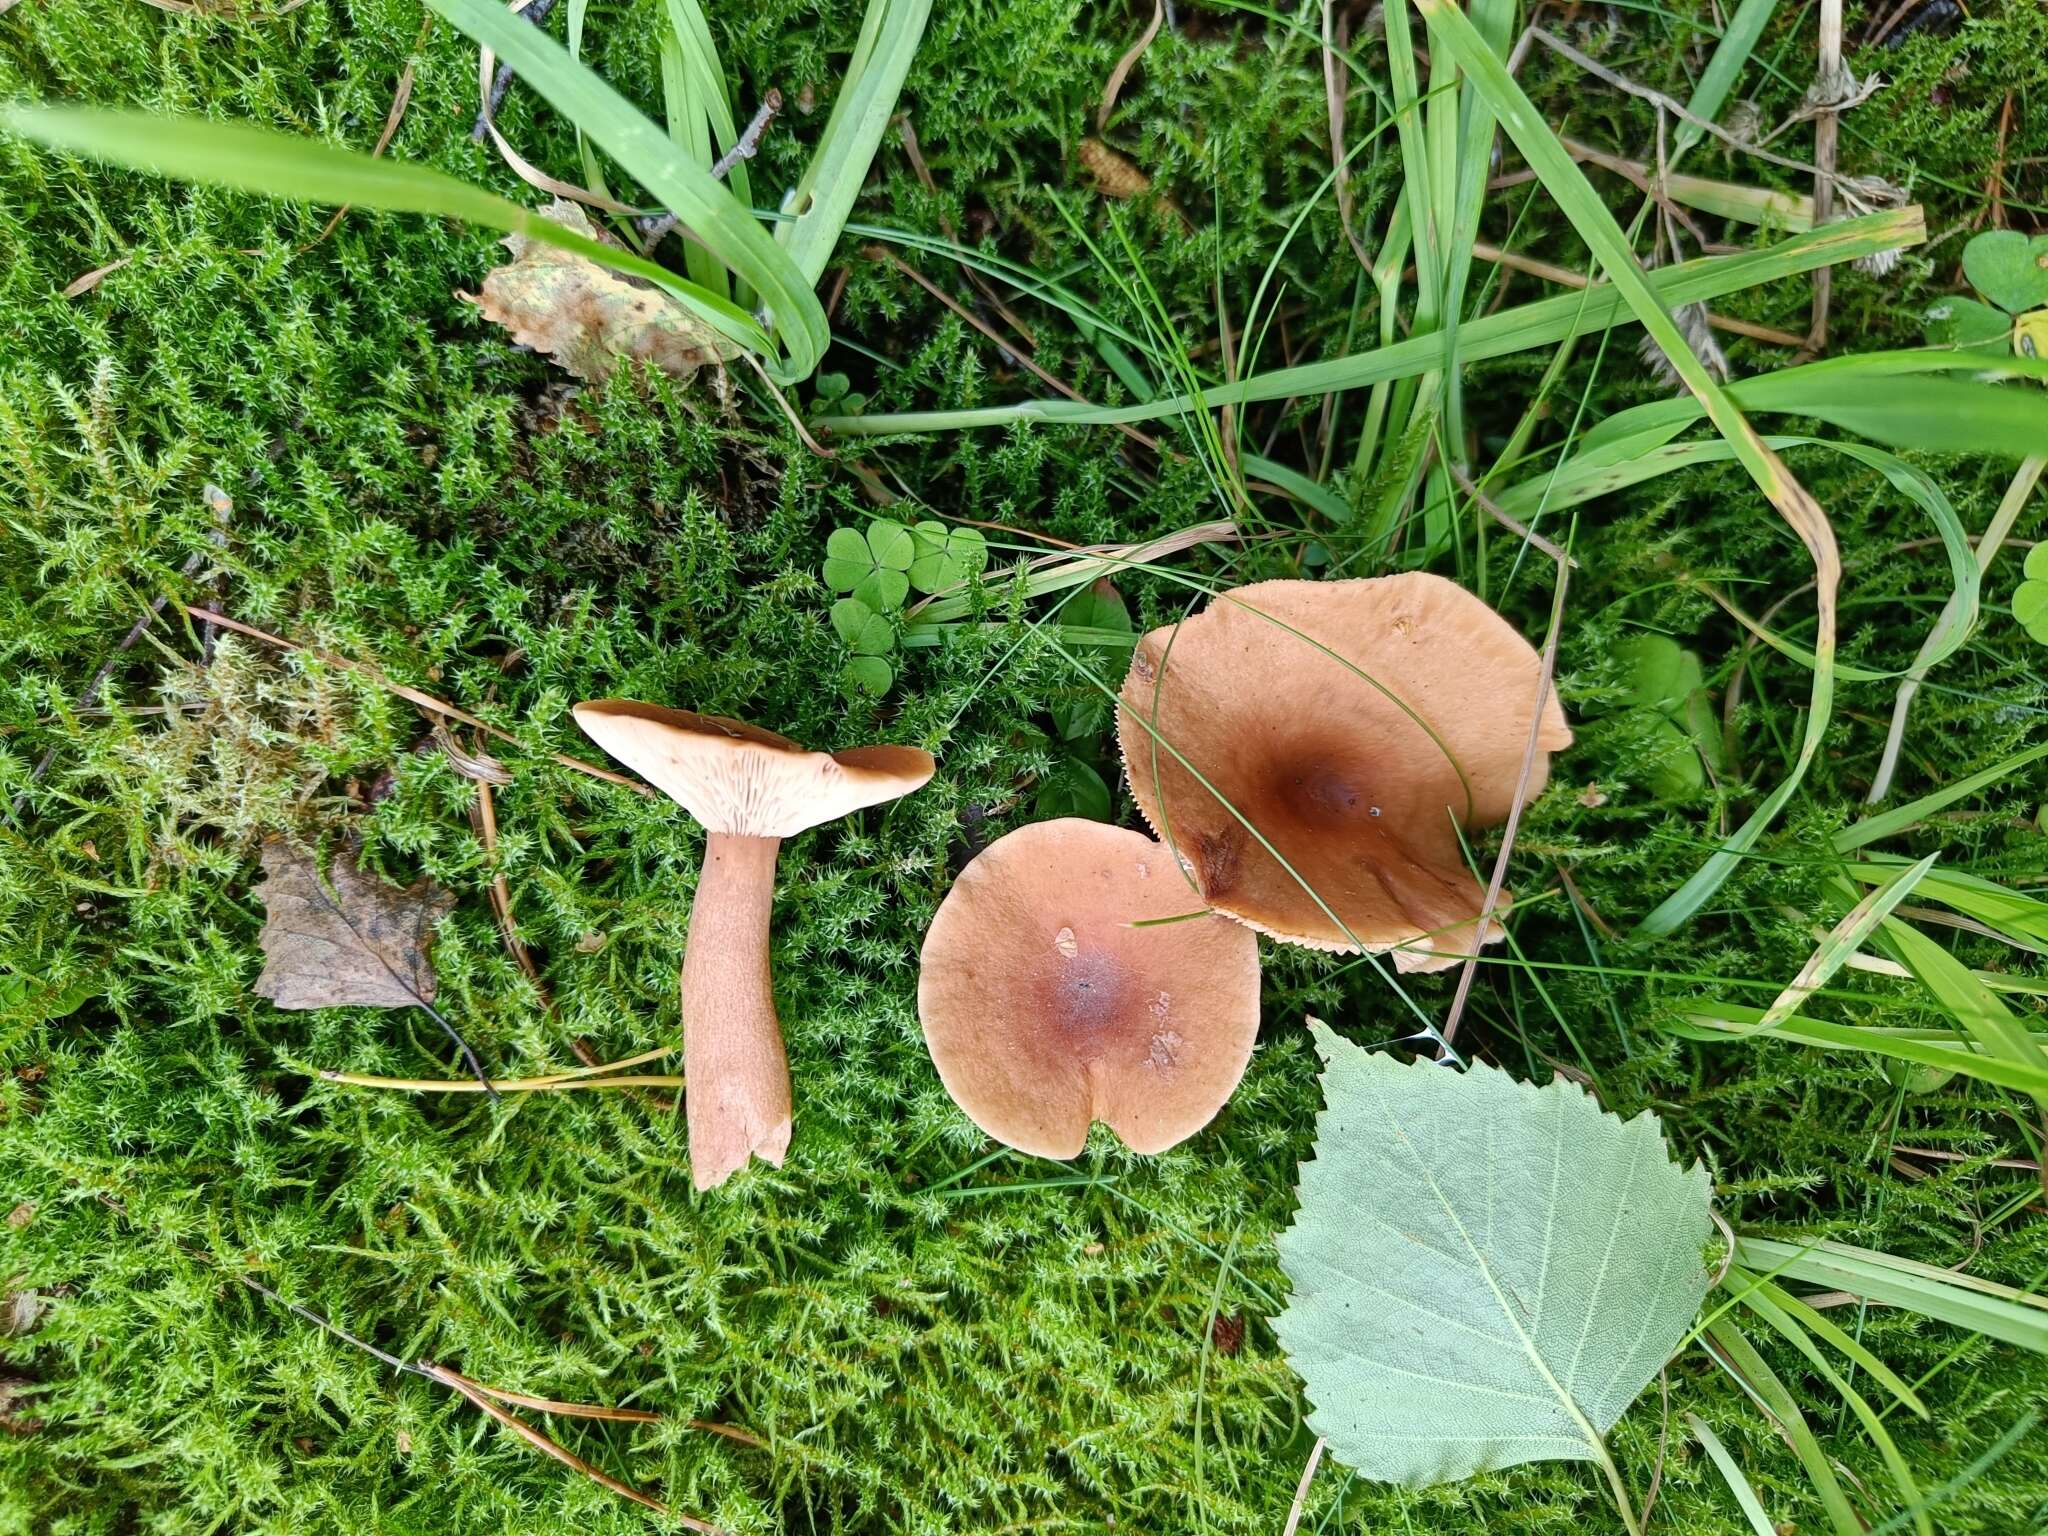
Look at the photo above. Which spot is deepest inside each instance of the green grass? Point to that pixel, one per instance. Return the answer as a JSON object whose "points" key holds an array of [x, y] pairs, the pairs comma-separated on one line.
{"points": [[923, 1350]]}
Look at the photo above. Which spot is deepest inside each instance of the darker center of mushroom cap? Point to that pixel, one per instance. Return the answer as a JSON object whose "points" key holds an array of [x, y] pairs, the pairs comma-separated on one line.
{"points": [[1328, 786], [1083, 989]]}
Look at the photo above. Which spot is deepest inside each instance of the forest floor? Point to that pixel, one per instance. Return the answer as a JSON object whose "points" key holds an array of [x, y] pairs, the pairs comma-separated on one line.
{"points": [[898, 1330]]}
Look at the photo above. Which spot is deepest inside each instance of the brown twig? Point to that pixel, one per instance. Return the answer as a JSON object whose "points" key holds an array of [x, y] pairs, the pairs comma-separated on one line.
{"points": [[487, 1400], [501, 82], [401, 98], [411, 695], [1507, 840], [1827, 125], [483, 1402], [1336, 85], [1551, 273], [748, 145], [1507, 520], [1126, 64]]}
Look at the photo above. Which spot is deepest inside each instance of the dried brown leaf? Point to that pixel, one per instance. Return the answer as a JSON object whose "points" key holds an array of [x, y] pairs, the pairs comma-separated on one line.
{"points": [[360, 944], [585, 317]]}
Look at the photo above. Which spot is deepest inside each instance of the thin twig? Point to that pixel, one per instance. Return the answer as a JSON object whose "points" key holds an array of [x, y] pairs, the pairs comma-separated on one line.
{"points": [[883, 253], [91, 696], [1670, 104], [657, 229], [497, 1085], [1336, 84], [501, 82], [1126, 64], [797, 422], [1308, 1475], [1508, 520], [474, 1392], [1828, 86], [410, 694], [1507, 840], [1551, 273], [400, 99]]}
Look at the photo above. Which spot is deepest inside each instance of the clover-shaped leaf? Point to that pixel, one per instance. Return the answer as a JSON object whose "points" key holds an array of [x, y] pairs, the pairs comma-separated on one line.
{"points": [[946, 556], [870, 566], [866, 632], [870, 675], [2008, 268], [1960, 322], [2030, 598]]}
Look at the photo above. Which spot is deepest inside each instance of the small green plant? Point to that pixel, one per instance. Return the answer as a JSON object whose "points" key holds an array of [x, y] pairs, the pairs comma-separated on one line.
{"points": [[2010, 273], [876, 567], [2030, 597], [1667, 695]]}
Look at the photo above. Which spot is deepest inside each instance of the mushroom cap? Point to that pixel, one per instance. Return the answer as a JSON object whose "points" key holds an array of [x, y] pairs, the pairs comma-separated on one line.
{"points": [[1045, 1010], [741, 780], [1360, 782]]}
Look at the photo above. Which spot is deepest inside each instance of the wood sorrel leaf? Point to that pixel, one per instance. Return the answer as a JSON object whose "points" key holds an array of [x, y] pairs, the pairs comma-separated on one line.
{"points": [[1485, 1271]]}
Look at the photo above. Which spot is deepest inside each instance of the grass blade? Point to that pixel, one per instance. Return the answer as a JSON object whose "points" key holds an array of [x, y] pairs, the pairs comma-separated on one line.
{"points": [[1739, 1357], [1711, 1021], [1982, 1306], [889, 36], [713, 215], [1844, 940], [252, 159], [1731, 1473], [1973, 1005], [1873, 829], [1526, 326]]}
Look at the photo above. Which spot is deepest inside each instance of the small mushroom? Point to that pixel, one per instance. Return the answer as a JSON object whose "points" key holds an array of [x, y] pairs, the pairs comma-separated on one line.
{"points": [[1359, 726], [750, 789], [1045, 1009]]}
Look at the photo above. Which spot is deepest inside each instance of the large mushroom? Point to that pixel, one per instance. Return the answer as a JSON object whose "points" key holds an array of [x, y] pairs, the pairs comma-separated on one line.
{"points": [[1046, 1009], [1359, 726], [750, 789]]}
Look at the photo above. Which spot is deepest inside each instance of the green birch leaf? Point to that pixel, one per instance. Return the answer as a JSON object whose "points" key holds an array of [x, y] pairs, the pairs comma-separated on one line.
{"points": [[1484, 1271]]}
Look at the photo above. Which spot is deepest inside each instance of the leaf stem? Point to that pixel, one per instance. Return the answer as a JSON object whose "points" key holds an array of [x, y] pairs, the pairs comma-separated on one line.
{"points": [[1617, 1487]]}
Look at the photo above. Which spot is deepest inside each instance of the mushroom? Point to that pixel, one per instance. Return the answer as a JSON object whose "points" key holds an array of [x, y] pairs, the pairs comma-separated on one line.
{"points": [[1045, 1009], [750, 789], [1359, 726]]}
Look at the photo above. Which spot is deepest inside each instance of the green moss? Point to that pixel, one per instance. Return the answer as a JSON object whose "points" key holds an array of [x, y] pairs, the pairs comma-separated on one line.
{"points": [[411, 491]]}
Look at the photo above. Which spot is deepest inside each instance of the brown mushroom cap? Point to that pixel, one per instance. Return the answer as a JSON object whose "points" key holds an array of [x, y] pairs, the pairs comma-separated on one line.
{"points": [[741, 780], [1045, 1010], [1354, 779]]}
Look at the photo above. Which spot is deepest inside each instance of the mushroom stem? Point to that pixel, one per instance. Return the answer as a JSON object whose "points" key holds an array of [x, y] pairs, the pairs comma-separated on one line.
{"points": [[738, 1092]]}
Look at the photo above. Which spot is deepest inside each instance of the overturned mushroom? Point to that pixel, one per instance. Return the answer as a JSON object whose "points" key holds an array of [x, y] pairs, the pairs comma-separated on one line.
{"points": [[750, 789], [1046, 1010], [1358, 726]]}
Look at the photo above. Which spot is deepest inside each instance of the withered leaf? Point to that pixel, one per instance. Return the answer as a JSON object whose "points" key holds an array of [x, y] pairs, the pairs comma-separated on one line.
{"points": [[362, 944], [587, 317]]}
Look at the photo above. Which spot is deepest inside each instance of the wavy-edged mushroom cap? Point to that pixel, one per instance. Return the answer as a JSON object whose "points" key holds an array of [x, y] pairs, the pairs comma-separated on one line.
{"points": [[1351, 722], [741, 780], [1046, 1010]]}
